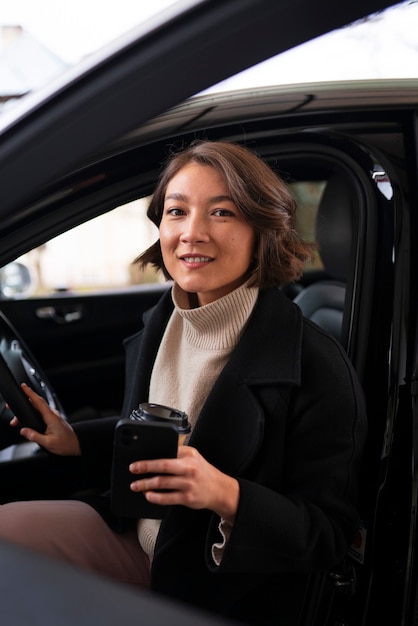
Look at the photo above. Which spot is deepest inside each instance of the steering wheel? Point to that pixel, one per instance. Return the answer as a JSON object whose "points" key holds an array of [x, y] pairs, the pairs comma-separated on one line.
{"points": [[18, 365]]}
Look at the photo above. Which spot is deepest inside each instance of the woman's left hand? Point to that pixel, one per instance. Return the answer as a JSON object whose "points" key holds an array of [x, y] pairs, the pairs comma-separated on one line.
{"points": [[191, 481]]}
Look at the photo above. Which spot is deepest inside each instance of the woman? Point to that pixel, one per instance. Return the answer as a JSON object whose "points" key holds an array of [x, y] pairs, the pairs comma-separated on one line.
{"points": [[264, 494]]}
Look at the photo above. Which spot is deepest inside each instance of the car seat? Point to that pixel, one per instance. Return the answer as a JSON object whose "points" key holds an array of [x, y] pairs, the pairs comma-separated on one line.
{"points": [[323, 301]]}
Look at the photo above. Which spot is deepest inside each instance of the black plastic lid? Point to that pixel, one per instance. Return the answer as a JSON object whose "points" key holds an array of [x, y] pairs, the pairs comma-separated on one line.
{"points": [[151, 412]]}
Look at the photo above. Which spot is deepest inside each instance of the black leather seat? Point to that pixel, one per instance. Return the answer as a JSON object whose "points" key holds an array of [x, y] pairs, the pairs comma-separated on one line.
{"points": [[323, 301]]}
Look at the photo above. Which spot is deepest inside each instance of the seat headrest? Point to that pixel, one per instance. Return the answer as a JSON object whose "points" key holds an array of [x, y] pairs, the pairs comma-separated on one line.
{"points": [[334, 227]]}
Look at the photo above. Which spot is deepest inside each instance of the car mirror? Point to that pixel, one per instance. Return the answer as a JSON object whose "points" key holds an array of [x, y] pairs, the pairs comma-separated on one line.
{"points": [[15, 280]]}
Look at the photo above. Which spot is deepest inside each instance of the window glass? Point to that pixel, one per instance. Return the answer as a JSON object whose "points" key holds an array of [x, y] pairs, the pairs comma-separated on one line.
{"points": [[308, 195], [97, 255]]}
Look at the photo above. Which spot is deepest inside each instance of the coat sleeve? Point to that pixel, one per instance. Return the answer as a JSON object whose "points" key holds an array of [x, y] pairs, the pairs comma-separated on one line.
{"points": [[306, 519]]}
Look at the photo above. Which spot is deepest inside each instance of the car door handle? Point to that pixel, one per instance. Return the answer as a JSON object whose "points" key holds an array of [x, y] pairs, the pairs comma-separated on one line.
{"points": [[64, 315]]}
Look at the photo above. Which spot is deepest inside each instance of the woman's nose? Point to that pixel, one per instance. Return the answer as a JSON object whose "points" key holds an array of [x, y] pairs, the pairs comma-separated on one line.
{"points": [[195, 229]]}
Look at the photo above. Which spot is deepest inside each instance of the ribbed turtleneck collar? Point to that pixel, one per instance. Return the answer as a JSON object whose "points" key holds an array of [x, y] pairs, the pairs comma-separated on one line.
{"points": [[217, 325]]}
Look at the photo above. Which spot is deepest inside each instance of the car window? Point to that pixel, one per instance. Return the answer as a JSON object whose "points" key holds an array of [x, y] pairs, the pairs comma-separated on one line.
{"points": [[308, 194], [97, 255]]}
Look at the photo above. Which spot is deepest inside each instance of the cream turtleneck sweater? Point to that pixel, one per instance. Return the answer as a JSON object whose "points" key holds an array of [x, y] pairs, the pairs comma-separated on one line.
{"points": [[194, 349]]}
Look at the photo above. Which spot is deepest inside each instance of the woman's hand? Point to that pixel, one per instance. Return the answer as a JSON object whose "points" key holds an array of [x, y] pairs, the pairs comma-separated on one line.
{"points": [[192, 481], [59, 437]]}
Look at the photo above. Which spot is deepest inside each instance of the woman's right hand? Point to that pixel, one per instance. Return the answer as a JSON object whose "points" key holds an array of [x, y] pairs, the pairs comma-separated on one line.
{"points": [[59, 436]]}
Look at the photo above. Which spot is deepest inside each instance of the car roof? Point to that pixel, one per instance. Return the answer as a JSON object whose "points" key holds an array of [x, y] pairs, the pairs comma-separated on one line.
{"points": [[213, 109]]}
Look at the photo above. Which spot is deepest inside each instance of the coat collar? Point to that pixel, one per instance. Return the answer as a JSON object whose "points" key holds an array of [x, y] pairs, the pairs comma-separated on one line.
{"points": [[275, 327]]}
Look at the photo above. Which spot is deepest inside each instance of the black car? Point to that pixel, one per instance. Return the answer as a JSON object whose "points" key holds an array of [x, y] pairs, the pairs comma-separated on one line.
{"points": [[349, 152]]}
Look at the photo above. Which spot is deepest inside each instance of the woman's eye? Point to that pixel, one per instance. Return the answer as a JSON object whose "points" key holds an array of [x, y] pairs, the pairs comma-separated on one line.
{"points": [[223, 213], [174, 211]]}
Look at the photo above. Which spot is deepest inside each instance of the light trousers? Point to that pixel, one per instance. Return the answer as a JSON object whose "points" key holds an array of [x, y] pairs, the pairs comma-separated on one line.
{"points": [[73, 531]]}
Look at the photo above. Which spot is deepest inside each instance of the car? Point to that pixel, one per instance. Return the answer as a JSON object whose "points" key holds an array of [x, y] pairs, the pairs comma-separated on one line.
{"points": [[97, 141]]}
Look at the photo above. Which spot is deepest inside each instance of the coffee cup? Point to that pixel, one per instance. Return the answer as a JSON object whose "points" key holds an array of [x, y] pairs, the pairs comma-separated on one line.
{"points": [[150, 412]]}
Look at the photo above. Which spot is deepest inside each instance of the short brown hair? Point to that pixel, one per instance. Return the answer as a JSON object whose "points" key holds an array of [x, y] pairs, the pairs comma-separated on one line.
{"points": [[263, 199]]}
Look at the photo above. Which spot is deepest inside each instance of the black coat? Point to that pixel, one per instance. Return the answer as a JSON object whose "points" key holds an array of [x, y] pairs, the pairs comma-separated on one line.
{"points": [[286, 417]]}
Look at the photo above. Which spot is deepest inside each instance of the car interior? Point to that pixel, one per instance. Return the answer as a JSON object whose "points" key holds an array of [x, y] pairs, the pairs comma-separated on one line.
{"points": [[329, 187], [323, 300], [97, 144]]}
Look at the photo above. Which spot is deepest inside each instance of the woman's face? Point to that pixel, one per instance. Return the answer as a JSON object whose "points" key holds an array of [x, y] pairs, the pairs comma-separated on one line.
{"points": [[206, 244]]}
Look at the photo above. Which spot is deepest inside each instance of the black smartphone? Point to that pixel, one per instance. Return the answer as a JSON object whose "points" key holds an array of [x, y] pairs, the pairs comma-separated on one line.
{"points": [[135, 441]]}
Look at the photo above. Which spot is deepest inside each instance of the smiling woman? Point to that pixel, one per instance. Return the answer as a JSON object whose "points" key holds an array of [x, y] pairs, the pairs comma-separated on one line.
{"points": [[263, 388], [251, 371]]}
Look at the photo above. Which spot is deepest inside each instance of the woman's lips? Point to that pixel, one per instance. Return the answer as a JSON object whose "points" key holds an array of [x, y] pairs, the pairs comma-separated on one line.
{"points": [[196, 259]]}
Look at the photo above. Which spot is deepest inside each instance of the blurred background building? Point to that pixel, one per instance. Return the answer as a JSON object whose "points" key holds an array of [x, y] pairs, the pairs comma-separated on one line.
{"points": [[25, 64]]}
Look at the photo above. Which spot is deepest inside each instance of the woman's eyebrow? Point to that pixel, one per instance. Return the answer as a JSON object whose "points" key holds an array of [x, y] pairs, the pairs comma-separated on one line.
{"points": [[175, 196], [221, 198], [179, 196]]}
